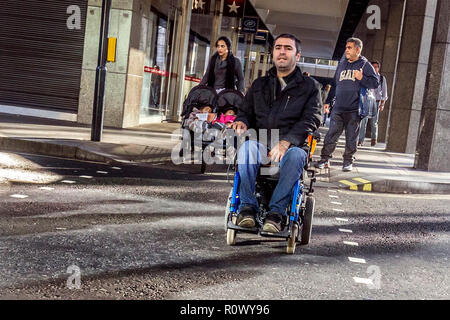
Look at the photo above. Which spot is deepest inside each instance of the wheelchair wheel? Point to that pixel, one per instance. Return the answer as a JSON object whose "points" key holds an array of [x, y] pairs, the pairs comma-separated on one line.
{"points": [[307, 220], [231, 234], [290, 249]]}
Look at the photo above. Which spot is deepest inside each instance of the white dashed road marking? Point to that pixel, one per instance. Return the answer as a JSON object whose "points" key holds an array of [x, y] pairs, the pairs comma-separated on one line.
{"points": [[116, 168], [68, 181], [363, 280], [47, 188], [342, 219], [357, 260], [338, 210], [331, 196], [346, 230], [351, 243], [86, 177], [102, 172], [338, 203], [19, 196]]}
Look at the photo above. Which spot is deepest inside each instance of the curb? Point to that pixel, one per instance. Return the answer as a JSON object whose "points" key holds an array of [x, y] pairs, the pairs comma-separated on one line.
{"points": [[394, 186], [71, 151]]}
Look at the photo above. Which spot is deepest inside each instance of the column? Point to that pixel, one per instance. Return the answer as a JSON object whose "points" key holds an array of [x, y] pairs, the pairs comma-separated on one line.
{"points": [[434, 131], [390, 59], [179, 60], [217, 23], [411, 75], [124, 78]]}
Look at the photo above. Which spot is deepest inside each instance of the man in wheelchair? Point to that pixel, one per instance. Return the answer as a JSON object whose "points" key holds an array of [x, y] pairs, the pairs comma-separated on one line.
{"points": [[286, 101]]}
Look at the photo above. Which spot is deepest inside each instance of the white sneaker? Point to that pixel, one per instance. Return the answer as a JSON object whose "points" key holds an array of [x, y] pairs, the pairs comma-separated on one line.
{"points": [[347, 167]]}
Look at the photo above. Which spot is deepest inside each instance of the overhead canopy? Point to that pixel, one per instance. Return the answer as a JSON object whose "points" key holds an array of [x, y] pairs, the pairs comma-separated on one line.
{"points": [[317, 23]]}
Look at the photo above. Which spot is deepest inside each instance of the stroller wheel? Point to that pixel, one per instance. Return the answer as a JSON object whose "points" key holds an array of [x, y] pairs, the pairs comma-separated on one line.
{"points": [[290, 248], [203, 167], [307, 220]]}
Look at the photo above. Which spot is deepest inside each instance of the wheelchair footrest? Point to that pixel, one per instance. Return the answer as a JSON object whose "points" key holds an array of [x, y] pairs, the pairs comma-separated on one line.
{"points": [[283, 234], [231, 225]]}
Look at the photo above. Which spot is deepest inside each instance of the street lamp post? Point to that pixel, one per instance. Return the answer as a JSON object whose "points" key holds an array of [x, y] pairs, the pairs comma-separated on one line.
{"points": [[100, 77]]}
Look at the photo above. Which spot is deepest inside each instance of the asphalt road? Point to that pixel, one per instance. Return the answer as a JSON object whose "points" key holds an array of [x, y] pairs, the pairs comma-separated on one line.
{"points": [[157, 232]]}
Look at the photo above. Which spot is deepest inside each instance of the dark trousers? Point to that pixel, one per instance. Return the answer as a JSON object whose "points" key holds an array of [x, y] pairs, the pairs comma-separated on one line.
{"points": [[339, 122]]}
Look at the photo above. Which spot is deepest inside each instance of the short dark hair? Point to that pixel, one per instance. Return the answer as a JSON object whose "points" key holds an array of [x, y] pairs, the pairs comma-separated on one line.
{"points": [[377, 62], [298, 43], [358, 43]]}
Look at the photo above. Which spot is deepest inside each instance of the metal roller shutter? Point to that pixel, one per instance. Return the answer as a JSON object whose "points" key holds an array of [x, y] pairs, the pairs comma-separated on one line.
{"points": [[40, 57]]}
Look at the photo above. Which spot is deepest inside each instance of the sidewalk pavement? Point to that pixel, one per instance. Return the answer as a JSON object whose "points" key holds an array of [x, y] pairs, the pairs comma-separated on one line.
{"points": [[375, 170]]}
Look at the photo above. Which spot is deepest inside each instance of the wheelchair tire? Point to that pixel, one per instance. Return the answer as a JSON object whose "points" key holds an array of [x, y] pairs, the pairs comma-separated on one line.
{"points": [[307, 220], [290, 248], [227, 209], [231, 235]]}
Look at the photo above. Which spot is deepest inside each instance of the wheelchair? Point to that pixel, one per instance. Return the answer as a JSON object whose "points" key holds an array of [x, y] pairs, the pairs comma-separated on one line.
{"points": [[300, 211]]}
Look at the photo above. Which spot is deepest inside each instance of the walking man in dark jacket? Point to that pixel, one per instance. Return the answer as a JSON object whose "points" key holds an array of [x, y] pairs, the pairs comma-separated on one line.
{"points": [[352, 73], [284, 100]]}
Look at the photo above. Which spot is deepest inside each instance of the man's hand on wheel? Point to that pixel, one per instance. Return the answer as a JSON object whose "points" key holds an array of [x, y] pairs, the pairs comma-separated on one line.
{"points": [[277, 153], [239, 127], [326, 108]]}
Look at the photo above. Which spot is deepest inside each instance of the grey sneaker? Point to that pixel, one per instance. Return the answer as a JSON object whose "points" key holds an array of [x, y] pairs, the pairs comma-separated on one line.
{"points": [[273, 222], [246, 217], [322, 164], [347, 167]]}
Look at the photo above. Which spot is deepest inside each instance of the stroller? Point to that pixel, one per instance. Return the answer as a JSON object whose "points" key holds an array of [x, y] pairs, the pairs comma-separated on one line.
{"points": [[199, 97]]}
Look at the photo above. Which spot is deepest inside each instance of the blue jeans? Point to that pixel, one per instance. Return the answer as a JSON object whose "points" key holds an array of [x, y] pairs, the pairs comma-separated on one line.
{"points": [[373, 127], [249, 161]]}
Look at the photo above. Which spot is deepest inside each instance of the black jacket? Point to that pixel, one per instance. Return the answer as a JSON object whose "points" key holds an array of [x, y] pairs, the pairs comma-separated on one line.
{"points": [[296, 111]]}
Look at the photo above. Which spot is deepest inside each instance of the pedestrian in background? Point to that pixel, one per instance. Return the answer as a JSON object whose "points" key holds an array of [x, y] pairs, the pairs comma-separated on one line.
{"points": [[352, 73], [224, 69], [381, 96], [325, 93]]}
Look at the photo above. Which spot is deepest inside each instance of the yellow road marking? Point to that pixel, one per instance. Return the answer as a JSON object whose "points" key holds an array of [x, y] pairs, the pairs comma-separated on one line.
{"points": [[353, 186], [367, 187], [361, 180]]}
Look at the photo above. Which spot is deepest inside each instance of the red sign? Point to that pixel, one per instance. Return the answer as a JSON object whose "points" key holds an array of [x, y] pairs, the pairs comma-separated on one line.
{"points": [[166, 74]]}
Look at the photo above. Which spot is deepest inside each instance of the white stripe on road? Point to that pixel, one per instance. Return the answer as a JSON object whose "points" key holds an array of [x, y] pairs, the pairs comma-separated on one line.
{"points": [[338, 203], [363, 280], [346, 230], [86, 177], [342, 219], [329, 190], [47, 188], [338, 210], [68, 181], [19, 196], [350, 243], [102, 172], [331, 196], [357, 260], [116, 168]]}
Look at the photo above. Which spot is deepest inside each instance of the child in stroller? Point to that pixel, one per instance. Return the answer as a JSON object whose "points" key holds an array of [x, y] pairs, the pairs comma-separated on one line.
{"points": [[203, 110]]}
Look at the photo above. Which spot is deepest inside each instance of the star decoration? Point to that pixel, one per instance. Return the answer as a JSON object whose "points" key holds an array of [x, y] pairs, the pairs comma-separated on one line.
{"points": [[200, 4], [233, 7]]}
